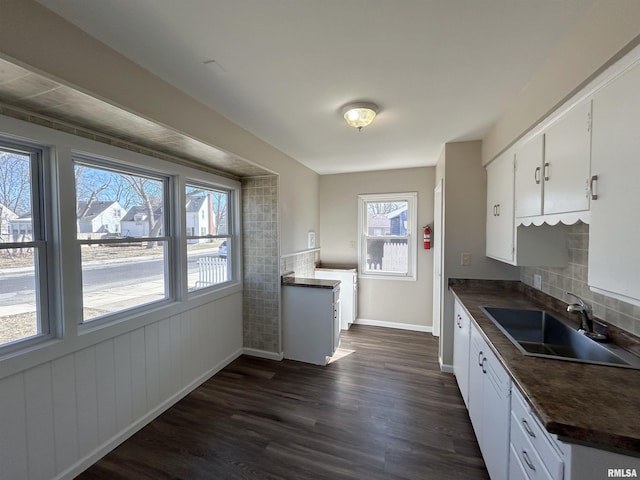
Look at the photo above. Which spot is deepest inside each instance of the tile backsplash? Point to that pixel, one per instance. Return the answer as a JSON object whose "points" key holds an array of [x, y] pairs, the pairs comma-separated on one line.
{"points": [[302, 263], [573, 278]]}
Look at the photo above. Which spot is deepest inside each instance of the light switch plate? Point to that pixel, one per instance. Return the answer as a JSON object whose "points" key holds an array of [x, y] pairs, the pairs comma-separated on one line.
{"points": [[311, 240], [465, 259]]}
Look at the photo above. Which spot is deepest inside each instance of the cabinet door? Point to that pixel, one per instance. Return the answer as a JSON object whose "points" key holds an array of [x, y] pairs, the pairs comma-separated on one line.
{"points": [[567, 162], [461, 351], [476, 380], [614, 262], [529, 177], [496, 407], [500, 208]]}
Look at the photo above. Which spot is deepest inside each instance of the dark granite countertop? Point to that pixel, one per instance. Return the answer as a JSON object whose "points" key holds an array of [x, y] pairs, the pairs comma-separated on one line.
{"points": [[310, 282], [593, 405]]}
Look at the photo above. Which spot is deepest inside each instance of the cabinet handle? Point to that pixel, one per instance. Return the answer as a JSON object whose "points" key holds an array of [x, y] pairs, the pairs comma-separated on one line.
{"points": [[593, 185], [546, 172], [528, 428], [484, 360], [527, 460], [536, 175], [479, 361], [498, 210]]}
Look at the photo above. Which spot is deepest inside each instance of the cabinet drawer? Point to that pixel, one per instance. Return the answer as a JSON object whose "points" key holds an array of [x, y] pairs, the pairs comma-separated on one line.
{"points": [[524, 424], [527, 455], [517, 471]]}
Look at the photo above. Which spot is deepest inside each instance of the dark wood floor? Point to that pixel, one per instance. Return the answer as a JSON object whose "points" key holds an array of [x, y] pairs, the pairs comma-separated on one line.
{"points": [[384, 411]]}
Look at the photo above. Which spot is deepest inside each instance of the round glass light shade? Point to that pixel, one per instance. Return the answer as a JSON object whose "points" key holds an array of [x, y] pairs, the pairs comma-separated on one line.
{"points": [[359, 115]]}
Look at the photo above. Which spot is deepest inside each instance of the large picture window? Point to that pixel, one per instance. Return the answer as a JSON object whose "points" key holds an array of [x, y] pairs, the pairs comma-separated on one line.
{"points": [[209, 241], [122, 226], [23, 246], [387, 231]]}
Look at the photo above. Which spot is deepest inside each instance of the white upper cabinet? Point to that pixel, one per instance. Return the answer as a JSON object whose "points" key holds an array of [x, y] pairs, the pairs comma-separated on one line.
{"points": [[531, 246], [500, 223], [566, 168], [553, 168], [529, 159], [614, 261]]}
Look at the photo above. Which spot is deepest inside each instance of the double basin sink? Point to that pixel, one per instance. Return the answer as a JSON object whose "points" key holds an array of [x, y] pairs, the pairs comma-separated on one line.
{"points": [[540, 334]]}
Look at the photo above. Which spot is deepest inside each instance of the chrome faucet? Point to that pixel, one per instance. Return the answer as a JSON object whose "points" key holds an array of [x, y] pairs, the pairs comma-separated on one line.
{"points": [[586, 324]]}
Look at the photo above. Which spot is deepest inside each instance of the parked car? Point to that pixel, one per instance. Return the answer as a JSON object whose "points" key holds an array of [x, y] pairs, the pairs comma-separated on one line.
{"points": [[222, 249]]}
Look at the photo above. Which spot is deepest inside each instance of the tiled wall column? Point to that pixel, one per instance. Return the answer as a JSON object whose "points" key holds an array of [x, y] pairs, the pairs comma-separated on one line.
{"points": [[573, 278], [261, 262]]}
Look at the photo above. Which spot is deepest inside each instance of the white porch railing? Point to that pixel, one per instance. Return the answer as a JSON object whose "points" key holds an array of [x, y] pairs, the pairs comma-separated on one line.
{"points": [[211, 270]]}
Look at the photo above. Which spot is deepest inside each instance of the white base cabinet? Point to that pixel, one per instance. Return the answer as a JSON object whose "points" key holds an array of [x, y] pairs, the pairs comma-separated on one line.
{"points": [[348, 292], [489, 405], [310, 323], [489, 394], [461, 336], [533, 450]]}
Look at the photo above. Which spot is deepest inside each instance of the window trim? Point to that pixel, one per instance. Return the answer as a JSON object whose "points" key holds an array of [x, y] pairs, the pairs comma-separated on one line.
{"points": [[63, 257], [168, 236], [233, 260], [412, 233], [40, 241]]}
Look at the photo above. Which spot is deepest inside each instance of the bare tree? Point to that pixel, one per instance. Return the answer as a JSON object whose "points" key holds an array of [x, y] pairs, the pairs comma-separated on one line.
{"points": [[88, 190], [15, 182], [150, 193], [219, 209], [383, 208]]}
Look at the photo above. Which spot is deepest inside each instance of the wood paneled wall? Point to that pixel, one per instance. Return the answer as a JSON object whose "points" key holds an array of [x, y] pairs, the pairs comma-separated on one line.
{"points": [[61, 416]]}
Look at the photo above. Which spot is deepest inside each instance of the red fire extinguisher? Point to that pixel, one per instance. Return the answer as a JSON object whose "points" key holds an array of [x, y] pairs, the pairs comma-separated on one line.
{"points": [[427, 237]]}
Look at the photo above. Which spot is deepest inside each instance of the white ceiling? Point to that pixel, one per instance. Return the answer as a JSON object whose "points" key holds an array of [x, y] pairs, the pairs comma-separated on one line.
{"points": [[440, 70]]}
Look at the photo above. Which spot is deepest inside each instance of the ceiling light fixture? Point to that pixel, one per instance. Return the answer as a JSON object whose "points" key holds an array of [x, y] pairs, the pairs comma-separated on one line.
{"points": [[359, 115]]}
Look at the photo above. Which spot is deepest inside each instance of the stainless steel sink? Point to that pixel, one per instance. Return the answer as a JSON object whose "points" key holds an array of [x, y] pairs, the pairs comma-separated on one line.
{"points": [[540, 334]]}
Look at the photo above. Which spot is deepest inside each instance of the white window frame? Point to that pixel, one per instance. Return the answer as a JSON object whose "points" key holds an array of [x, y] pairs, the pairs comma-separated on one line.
{"points": [[66, 334], [39, 230], [412, 233], [233, 260], [164, 235]]}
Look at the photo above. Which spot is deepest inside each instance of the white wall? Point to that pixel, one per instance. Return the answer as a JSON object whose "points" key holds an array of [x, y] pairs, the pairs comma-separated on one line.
{"points": [[464, 200], [609, 29], [61, 416], [393, 301]]}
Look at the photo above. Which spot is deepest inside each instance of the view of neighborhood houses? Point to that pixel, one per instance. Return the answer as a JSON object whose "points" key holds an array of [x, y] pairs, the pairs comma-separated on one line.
{"points": [[386, 235], [120, 220]]}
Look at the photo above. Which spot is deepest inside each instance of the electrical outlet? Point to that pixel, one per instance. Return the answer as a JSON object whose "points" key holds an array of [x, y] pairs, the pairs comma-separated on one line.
{"points": [[465, 259], [352, 244], [537, 281]]}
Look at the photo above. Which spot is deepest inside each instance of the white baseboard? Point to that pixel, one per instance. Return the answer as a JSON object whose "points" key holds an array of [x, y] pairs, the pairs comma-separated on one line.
{"points": [[84, 463], [401, 326], [444, 367], [254, 352]]}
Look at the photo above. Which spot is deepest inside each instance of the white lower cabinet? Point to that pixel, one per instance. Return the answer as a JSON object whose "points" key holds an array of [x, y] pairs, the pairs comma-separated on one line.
{"points": [[514, 443], [461, 350], [534, 451], [489, 405]]}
